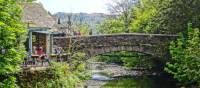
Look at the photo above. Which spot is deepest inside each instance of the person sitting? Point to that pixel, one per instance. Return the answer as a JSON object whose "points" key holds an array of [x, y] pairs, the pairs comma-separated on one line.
{"points": [[45, 58], [25, 63], [74, 33], [34, 49], [39, 51]]}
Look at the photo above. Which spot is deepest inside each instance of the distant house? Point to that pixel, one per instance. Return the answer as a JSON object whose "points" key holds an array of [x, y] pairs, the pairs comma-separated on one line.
{"points": [[40, 25]]}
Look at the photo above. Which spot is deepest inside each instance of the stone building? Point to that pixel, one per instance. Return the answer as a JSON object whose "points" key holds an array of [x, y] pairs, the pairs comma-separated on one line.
{"points": [[41, 26]]}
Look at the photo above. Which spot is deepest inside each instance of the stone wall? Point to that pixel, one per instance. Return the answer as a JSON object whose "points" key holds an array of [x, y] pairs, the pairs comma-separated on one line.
{"points": [[153, 44]]}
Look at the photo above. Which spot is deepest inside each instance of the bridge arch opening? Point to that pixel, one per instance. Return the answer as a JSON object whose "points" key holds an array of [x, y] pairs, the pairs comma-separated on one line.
{"points": [[131, 59]]}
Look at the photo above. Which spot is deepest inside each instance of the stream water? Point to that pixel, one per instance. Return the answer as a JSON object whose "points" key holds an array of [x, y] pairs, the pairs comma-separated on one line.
{"points": [[115, 76]]}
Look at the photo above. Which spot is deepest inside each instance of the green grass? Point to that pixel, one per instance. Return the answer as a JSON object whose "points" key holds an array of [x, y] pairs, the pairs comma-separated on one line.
{"points": [[130, 83]]}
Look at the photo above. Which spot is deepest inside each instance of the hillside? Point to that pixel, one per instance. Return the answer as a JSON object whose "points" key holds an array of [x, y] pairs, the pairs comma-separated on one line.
{"points": [[83, 18]]}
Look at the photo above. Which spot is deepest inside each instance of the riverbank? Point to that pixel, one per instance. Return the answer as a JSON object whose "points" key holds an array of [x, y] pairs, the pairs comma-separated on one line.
{"points": [[115, 70], [105, 74]]}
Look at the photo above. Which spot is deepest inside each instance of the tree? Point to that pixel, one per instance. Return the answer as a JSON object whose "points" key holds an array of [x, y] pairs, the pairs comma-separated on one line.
{"points": [[69, 24], [167, 16], [185, 62], [123, 9], [176, 14], [84, 29], [26, 0], [111, 26], [139, 61], [144, 12], [11, 42]]}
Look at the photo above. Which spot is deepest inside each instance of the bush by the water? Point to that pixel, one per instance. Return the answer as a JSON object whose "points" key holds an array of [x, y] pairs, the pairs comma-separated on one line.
{"points": [[185, 62], [56, 76]]}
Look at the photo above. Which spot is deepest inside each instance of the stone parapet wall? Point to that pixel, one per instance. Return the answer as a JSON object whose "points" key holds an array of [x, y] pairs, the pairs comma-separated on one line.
{"points": [[154, 44]]}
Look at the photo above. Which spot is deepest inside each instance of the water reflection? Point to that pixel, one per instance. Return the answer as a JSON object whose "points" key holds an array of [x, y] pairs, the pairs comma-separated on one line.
{"points": [[101, 79]]}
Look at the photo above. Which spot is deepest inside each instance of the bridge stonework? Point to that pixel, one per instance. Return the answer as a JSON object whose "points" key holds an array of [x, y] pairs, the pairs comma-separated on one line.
{"points": [[152, 44]]}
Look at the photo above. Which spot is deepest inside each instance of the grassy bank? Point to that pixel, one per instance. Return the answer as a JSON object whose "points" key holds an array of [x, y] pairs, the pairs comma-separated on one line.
{"points": [[143, 82], [130, 83]]}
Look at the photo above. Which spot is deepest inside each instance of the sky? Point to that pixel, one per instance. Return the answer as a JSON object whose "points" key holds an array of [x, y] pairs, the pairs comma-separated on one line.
{"points": [[76, 6]]}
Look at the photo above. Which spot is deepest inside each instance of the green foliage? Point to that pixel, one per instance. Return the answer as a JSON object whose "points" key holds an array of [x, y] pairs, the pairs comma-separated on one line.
{"points": [[139, 62], [128, 59], [78, 66], [122, 9], [174, 15], [144, 13], [26, 0], [77, 61], [58, 75], [111, 26], [157, 16], [12, 36], [141, 82], [9, 82], [185, 62], [63, 77], [130, 83], [83, 28], [165, 16], [108, 59]]}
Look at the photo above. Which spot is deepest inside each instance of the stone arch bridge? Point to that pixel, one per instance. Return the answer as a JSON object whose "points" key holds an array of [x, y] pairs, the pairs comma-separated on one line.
{"points": [[152, 44]]}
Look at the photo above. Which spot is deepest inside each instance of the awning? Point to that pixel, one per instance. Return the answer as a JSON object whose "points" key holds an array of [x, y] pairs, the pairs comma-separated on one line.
{"points": [[43, 30]]}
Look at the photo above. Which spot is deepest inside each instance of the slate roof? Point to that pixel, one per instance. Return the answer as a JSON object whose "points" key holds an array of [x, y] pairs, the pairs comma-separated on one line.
{"points": [[37, 16]]}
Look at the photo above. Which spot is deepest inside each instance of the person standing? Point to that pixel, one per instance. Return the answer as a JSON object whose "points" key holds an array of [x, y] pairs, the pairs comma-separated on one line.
{"points": [[78, 34], [59, 54]]}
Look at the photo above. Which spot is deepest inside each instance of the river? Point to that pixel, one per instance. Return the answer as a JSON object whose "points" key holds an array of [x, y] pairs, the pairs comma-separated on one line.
{"points": [[115, 76]]}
